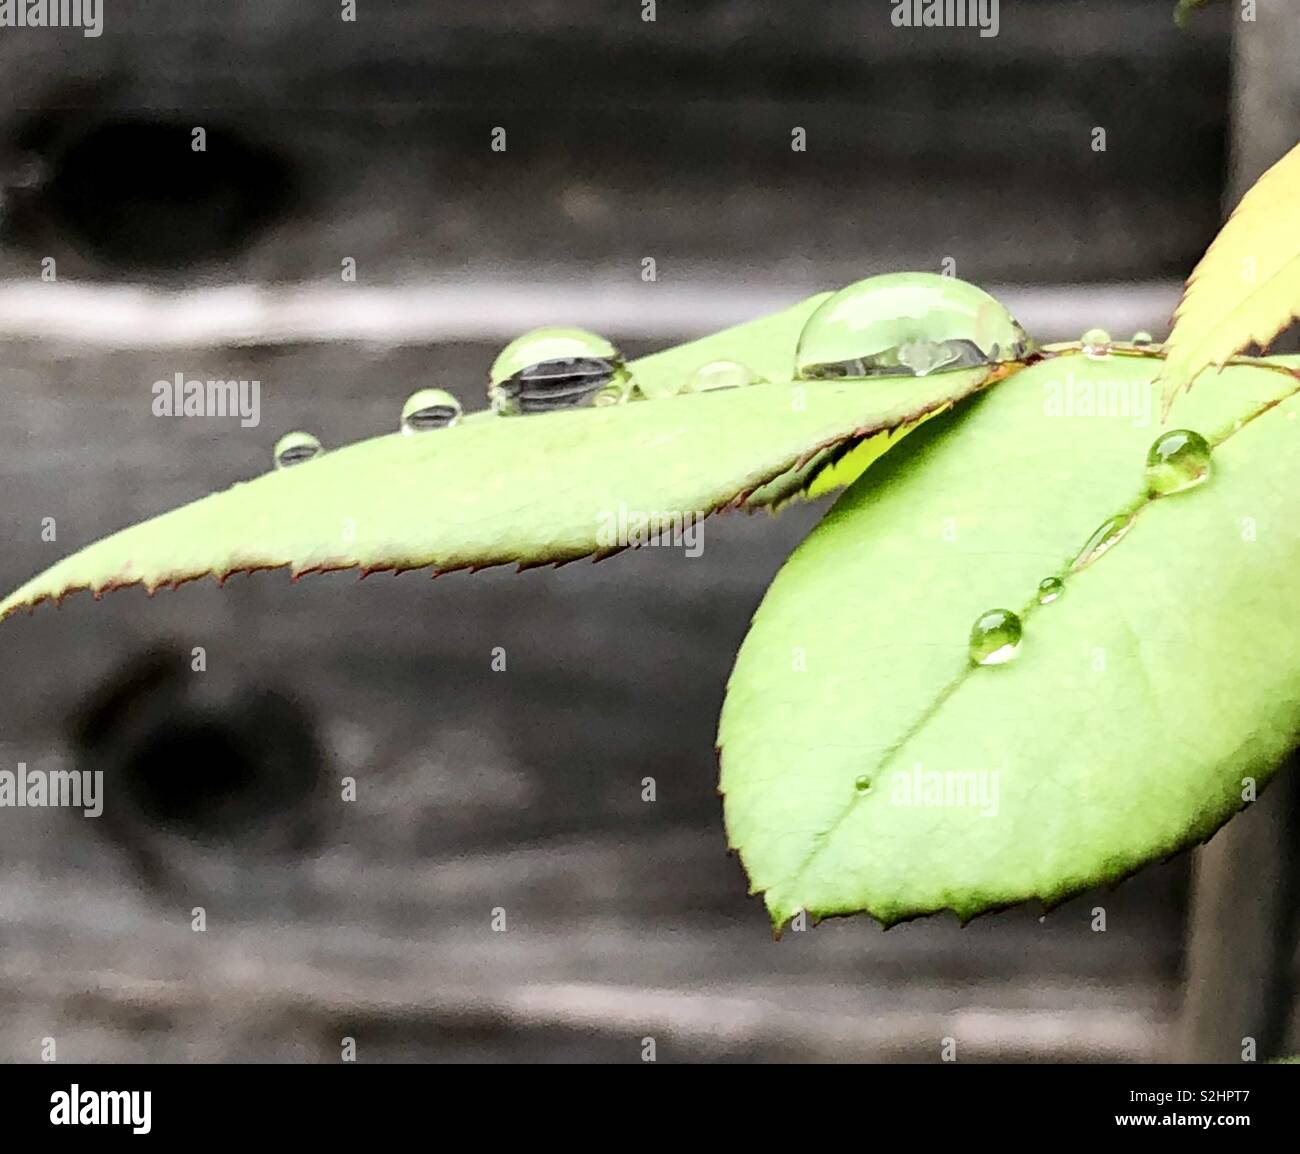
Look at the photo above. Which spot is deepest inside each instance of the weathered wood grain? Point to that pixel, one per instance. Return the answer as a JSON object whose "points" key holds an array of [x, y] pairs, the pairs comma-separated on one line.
{"points": [[476, 790], [522, 789], [628, 140]]}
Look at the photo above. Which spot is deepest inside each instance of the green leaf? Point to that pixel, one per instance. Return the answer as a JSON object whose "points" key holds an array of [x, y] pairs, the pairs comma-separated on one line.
{"points": [[766, 345], [833, 468], [1164, 675], [532, 490]]}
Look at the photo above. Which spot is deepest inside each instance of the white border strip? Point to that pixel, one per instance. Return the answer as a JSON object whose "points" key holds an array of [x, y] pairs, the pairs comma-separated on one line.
{"points": [[124, 317]]}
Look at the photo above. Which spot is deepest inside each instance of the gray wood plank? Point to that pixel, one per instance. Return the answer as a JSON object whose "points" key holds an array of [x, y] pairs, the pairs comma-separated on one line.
{"points": [[475, 790], [624, 140]]}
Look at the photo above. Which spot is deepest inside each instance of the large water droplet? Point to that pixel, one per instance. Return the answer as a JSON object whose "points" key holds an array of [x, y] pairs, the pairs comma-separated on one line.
{"points": [[720, 375], [995, 637], [1103, 539], [1142, 337], [295, 448], [430, 409], [863, 784], [1049, 589], [906, 324], [1096, 343], [557, 368], [1178, 460]]}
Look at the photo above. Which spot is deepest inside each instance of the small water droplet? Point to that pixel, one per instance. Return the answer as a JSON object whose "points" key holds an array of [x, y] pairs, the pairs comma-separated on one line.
{"points": [[906, 324], [995, 637], [430, 409], [1096, 343], [295, 448], [1049, 589], [863, 784], [557, 368], [1142, 337], [1103, 539], [1178, 460], [720, 375]]}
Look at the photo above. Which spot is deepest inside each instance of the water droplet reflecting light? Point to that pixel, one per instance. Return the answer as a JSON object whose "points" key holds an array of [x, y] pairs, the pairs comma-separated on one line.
{"points": [[429, 409], [995, 637], [557, 368], [1103, 539], [1049, 589], [1096, 343], [1178, 460], [720, 375], [906, 324], [294, 449]]}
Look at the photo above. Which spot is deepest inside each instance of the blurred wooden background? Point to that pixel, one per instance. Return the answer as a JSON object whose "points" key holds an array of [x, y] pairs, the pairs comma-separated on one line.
{"points": [[517, 790]]}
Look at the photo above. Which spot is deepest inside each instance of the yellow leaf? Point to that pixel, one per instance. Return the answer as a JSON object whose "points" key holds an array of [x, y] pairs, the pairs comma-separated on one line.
{"points": [[1247, 285]]}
